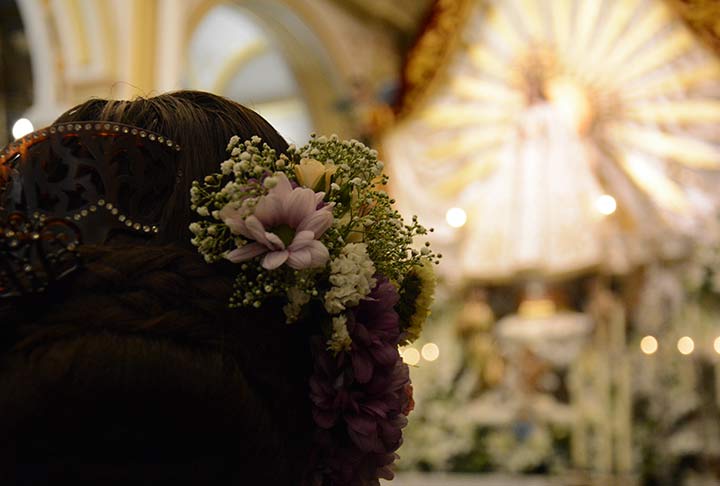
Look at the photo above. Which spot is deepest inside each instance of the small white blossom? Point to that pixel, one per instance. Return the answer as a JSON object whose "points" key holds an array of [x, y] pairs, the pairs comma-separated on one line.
{"points": [[270, 182], [340, 339], [296, 299], [195, 228], [227, 167], [233, 141], [203, 211]]}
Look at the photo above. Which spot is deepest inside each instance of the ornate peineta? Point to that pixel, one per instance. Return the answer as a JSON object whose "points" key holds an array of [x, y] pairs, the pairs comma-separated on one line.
{"points": [[35, 251], [73, 181], [104, 177]]}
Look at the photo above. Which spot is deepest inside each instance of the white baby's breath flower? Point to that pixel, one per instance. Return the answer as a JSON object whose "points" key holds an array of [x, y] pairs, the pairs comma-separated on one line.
{"points": [[203, 211], [340, 339], [227, 167], [233, 141], [270, 182], [351, 276]]}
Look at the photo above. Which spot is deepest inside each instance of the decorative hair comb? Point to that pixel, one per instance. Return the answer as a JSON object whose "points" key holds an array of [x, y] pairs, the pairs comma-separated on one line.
{"points": [[75, 183]]}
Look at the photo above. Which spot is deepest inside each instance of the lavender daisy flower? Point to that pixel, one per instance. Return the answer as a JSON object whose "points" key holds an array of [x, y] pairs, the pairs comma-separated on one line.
{"points": [[285, 226]]}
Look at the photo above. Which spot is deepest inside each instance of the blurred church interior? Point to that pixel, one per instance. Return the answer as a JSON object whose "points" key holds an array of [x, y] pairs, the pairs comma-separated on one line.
{"points": [[567, 153]]}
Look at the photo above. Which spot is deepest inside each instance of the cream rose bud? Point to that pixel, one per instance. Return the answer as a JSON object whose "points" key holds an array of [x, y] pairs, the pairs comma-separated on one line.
{"points": [[310, 172], [314, 174]]}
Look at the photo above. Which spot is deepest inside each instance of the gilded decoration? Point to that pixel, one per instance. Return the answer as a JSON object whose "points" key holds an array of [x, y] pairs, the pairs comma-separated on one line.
{"points": [[703, 16], [431, 51]]}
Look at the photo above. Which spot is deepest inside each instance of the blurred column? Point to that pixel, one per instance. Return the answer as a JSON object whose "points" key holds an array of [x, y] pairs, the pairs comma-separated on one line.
{"points": [[143, 42], [171, 21], [46, 82]]}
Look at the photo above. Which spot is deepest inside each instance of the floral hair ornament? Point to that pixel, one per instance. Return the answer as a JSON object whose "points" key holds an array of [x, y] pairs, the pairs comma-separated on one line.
{"points": [[313, 224]]}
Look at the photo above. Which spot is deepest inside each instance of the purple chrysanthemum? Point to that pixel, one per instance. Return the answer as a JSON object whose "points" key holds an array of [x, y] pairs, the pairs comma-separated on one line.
{"points": [[360, 397]]}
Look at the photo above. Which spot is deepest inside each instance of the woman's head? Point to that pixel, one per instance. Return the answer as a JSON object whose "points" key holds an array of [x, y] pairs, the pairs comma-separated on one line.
{"points": [[133, 367], [202, 123]]}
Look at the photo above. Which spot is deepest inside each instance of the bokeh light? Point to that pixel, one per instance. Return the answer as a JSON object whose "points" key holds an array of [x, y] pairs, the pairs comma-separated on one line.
{"points": [[648, 345], [411, 356], [456, 217], [606, 204], [22, 127], [430, 352], [686, 345]]}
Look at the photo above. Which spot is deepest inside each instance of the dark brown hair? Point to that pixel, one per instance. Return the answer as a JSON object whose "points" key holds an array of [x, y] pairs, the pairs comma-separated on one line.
{"points": [[133, 369]]}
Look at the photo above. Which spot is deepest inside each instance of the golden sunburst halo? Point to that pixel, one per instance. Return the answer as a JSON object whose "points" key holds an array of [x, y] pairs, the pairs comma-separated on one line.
{"points": [[548, 105]]}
